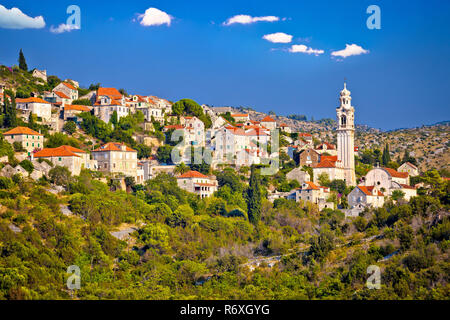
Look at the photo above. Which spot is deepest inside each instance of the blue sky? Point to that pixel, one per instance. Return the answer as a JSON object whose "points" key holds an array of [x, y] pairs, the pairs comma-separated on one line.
{"points": [[402, 81]]}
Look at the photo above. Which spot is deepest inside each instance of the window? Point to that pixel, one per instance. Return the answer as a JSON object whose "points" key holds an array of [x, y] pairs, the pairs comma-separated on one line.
{"points": [[59, 159]]}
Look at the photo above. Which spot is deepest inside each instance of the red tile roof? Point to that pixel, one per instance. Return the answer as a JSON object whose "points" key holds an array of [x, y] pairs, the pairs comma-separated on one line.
{"points": [[329, 146], [411, 165], [311, 186], [405, 186], [77, 108], [21, 130], [31, 100], [111, 92], [325, 164], [240, 115], [369, 190], [113, 146], [192, 174], [396, 174], [70, 86], [61, 94], [329, 158], [63, 151], [174, 126], [267, 119]]}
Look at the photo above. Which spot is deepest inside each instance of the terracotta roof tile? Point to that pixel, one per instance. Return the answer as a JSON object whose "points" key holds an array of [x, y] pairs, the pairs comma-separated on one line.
{"points": [[31, 100], [192, 174], [396, 174], [61, 94], [62, 151], [267, 119], [113, 146], [22, 130], [77, 108], [70, 86], [325, 164]]}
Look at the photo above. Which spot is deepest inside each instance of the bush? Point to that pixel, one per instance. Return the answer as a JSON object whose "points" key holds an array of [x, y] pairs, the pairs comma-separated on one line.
{"points": [[27, 165]]}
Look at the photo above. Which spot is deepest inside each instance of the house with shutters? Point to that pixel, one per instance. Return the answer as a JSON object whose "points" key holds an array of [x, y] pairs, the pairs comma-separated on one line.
{"points": [[28, 138], [285, 128], [72, 112], [269, 123], [326, 147], [315, 194], [365, 196], [38, 106], [67, 89], [108, 101], [198, 183], [66, 156], [115, 157], [58, 98], [408, 167], [241, 117]]}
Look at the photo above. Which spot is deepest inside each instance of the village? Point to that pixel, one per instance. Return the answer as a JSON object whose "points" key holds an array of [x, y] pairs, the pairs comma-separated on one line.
{"points": [[225, 139]]}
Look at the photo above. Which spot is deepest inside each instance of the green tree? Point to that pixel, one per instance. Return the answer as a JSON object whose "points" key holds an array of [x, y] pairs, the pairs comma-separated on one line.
{"points": [[397, 195], [254, 197], [181, 168], [386, 157], [22, 62], [324, 179], [164, 154], [9, 109], [60, 176], [82, 102], [321, 245], [114, 119], [70, 127]]}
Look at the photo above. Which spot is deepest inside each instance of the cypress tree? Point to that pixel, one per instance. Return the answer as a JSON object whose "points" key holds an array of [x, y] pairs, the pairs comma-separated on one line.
{"points": [[254, 197], [386, 158], [22, 62]]}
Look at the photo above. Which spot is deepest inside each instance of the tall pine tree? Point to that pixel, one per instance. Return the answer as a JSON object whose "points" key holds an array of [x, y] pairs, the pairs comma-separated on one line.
{"points": [[254, 197], [386, 158], [10, 118], [22, 62]]}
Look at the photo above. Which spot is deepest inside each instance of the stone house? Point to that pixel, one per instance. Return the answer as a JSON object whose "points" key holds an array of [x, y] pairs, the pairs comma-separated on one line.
{"points": [[408, 167], [299, 175], [115, 157], [195, 182], [28, 138], [269, 123], [68, 89], [66, 156], [37, 106]]}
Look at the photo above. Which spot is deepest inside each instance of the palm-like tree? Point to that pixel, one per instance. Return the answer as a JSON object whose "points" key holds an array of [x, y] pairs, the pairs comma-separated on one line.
{"points": [[181, 168]]}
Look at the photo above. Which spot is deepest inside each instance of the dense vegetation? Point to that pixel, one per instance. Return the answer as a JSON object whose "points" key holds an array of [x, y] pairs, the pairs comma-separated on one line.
{"points": [[185, 247]]}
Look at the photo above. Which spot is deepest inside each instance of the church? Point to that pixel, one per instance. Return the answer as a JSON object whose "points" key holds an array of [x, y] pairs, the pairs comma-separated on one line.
{"points": [[342, 166]]}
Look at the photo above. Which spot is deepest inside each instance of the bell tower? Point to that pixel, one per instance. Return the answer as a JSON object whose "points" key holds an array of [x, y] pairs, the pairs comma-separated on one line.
{"points": [[346, 136]]}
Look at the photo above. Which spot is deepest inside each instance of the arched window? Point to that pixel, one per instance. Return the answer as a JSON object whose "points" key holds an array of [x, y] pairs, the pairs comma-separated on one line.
{"points": [[343, 120]]}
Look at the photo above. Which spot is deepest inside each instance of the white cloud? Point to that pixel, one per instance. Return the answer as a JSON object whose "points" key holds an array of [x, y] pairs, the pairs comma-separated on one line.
{"points": [[246, 19], [64, 28], [301, 48], [350, 50], [14, 18], [154, 17], [278, 37]]}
